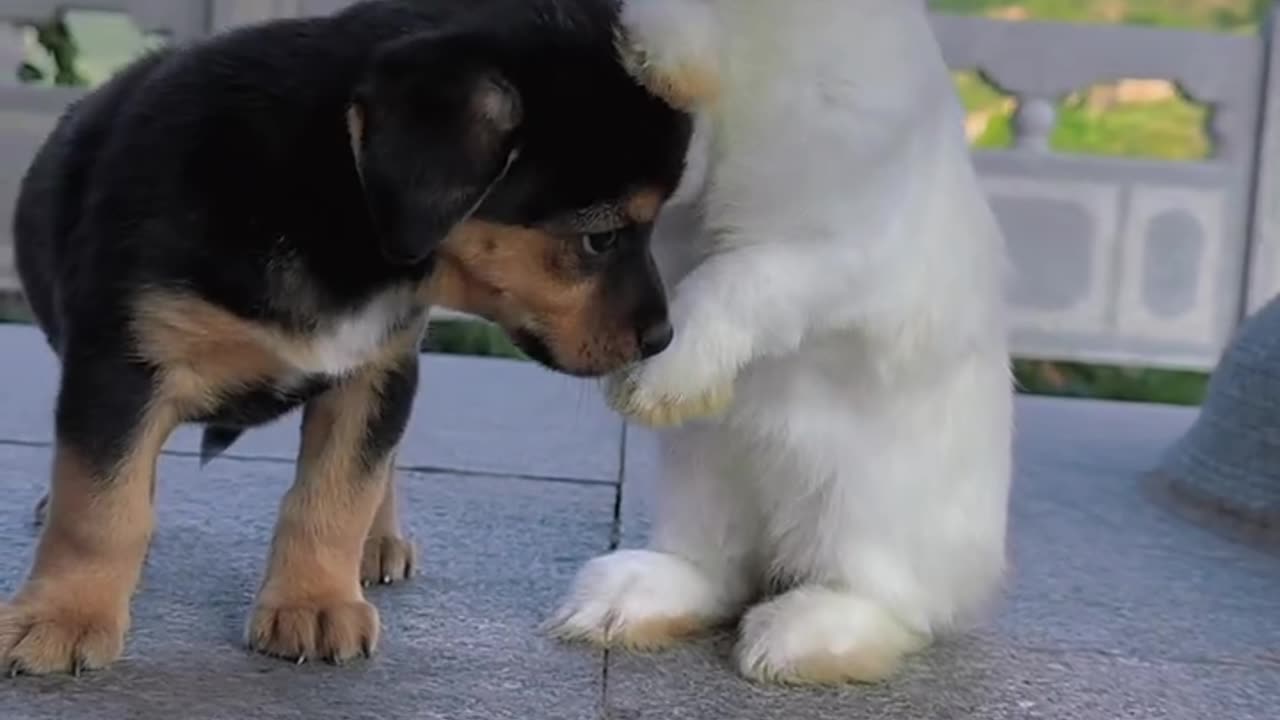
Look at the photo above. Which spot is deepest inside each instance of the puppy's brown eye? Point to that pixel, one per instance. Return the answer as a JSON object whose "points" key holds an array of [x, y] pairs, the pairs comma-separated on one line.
{"points": [[600, 243]]}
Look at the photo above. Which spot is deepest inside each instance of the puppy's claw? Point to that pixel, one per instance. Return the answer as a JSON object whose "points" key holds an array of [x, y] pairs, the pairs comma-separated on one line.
{"points": [[15, 669], [387, 560], [41, 511], [302, 659]]}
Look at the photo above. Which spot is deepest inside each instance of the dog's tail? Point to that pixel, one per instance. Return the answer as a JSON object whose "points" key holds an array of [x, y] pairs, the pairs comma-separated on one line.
{"points": [[672, 47]]}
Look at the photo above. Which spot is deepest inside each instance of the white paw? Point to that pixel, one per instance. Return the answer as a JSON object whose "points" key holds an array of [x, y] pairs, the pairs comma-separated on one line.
{"points": [[693, 378], [813, 635], [670, 46], [653, 394], [639, 600]]}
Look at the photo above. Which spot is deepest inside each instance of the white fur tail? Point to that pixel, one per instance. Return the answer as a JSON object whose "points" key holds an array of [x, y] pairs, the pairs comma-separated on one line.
{"points": [[671, 46]]}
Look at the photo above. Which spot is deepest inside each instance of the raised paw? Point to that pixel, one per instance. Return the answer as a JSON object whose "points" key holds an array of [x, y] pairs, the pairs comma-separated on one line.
{"points": [[638, 600], [387, 559], [335, 631], [42, 638], [814, 635], [631, 395], [671, 49]]}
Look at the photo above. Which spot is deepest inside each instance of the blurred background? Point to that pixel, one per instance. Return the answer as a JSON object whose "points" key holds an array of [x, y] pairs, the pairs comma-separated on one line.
{"points": [[1137, 118]]}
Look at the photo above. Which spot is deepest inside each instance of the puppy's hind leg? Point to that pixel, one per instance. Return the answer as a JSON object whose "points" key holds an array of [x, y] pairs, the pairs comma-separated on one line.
{"points": [[311, 605], [898, 536], [700, 568], [822, 635], [73, 611], [389, 556]]}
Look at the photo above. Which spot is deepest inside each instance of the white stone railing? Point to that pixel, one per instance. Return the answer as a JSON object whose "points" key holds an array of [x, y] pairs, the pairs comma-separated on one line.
{"points": [[1132, 261]]}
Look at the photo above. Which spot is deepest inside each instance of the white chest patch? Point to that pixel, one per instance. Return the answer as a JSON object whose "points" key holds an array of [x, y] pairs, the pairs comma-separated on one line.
{"points": [[352, 341]]}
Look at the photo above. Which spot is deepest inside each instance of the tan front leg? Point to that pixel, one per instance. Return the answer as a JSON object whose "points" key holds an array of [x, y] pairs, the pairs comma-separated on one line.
{"points": [[311, 605], [73, 611], [389, 557]]}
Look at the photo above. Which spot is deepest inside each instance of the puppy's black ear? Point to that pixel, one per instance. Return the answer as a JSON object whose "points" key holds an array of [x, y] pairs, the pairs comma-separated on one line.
{"points": [[433, 128]]}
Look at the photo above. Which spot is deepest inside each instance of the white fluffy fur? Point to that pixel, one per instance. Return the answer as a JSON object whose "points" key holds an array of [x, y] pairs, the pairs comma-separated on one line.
{"points": [[836, 280]]}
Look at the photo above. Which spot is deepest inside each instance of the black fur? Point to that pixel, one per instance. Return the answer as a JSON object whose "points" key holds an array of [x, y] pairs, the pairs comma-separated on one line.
{"points": [[207, 168]]}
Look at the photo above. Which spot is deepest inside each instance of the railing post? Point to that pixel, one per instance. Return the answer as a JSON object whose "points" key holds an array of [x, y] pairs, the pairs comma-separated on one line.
{"points": [[1034, 122], [1263, 272]]}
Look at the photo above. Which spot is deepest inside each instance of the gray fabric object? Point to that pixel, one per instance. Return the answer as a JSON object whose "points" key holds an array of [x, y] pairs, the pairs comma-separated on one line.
{"points": [[1226, 467]]}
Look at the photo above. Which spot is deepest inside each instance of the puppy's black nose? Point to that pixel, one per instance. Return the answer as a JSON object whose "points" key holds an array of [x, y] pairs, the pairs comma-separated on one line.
{"points": [[656, 338]]}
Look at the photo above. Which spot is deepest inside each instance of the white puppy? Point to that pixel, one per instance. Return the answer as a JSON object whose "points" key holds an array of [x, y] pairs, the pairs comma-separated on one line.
{"points": [[838, 304]]}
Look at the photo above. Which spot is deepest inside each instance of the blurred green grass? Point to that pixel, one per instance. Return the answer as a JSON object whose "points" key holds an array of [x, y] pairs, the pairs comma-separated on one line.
{"points": [[1220, 15], [451, 336], [1168, 128], [1173, 128]]}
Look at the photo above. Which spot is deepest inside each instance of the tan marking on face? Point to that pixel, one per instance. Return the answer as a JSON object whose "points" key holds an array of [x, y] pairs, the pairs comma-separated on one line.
{"points": [[73, 611], [509, 274], [529, 280], [643, 206]]}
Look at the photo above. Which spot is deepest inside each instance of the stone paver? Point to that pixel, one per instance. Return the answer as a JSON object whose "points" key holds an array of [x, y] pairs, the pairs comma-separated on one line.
{"points": [[459, 641], [1116, 608], [975, 679]]}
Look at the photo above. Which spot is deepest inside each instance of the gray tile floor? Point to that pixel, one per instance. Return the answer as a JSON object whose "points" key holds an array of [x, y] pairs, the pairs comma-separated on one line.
{"points": [[1115, 609]]}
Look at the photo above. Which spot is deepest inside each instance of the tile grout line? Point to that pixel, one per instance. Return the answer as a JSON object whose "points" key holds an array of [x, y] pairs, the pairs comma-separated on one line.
{"points": [[615, 533], [1261, 662], [419, 469], [615, 540]]}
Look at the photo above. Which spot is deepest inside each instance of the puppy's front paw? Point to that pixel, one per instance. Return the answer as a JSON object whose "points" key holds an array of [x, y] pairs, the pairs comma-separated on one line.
{"points": [[387, 559], [693, 378], [671, 48], [814, 635], [642, 395], [331, 629], [640, 600], [683, 84], [60, 635]]}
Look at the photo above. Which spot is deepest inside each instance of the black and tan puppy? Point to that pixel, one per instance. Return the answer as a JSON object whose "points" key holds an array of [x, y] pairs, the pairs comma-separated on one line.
{"points": [[230, 230]]}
